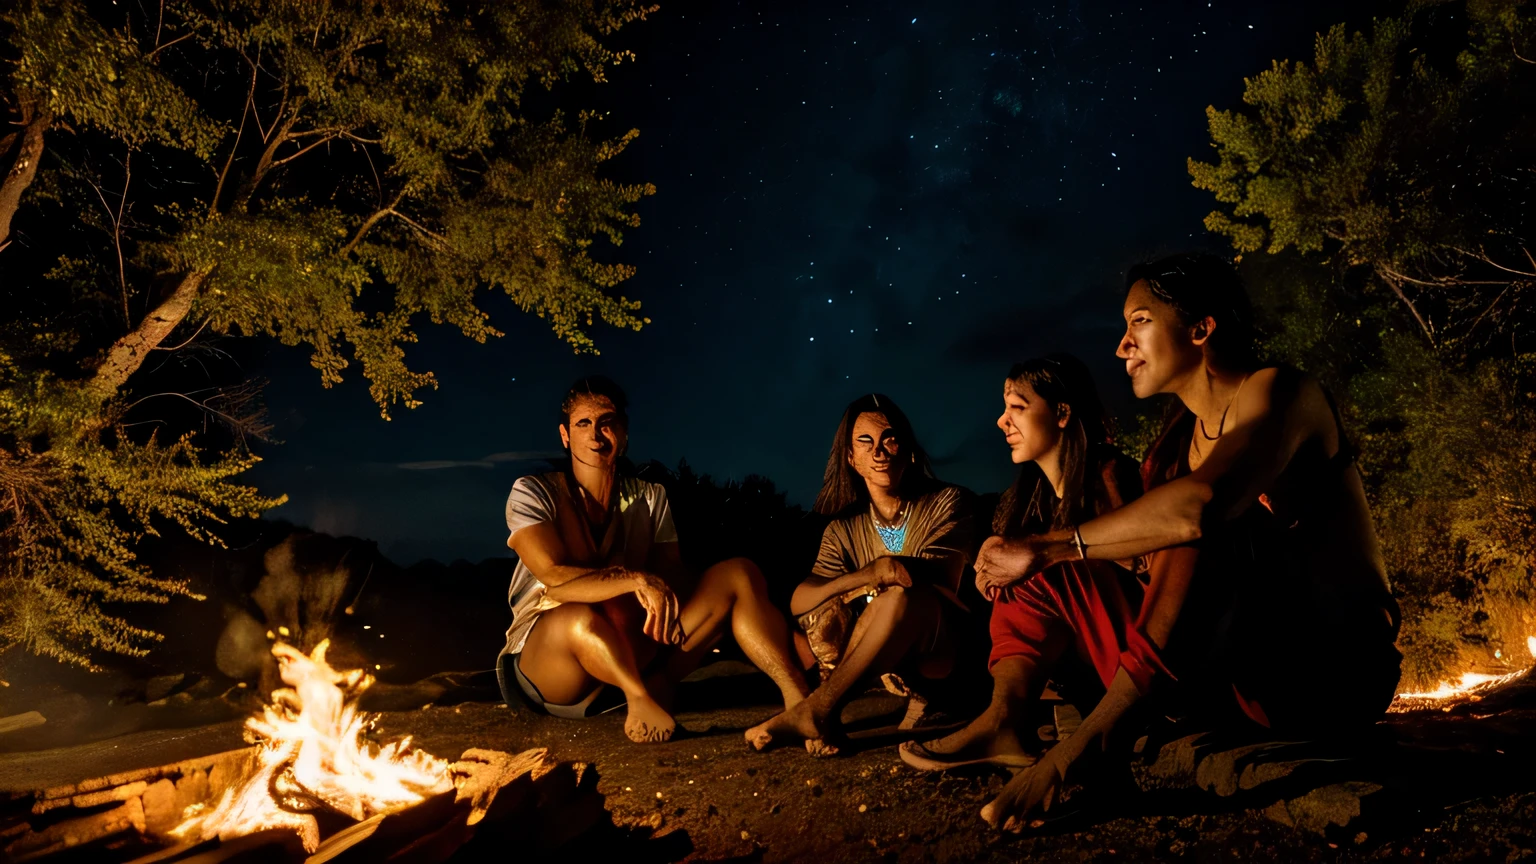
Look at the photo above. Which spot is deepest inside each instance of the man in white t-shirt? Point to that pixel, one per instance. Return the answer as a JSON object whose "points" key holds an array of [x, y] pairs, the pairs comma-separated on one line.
{"points": [[594, 597]]}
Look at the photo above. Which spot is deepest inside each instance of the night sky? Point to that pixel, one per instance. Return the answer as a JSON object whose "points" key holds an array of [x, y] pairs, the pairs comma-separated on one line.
{"points": [[902, 197]]}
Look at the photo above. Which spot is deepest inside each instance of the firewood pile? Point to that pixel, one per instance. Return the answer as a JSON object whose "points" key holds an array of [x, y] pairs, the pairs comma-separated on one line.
{"points": [[132, 816]]}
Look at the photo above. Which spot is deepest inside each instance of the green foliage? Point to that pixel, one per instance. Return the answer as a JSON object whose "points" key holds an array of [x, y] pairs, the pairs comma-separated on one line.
{"points": [[326, 174], [1400, 161], [1406, 153]]}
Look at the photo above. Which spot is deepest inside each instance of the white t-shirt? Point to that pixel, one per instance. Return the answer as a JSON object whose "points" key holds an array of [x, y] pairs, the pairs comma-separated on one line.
{"points": [[642, 518]]}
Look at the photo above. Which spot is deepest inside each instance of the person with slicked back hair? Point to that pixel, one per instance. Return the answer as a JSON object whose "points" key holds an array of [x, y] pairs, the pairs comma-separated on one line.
{"points": [[599, 601], [886, 576], [1069, 471], [1267, 594]]}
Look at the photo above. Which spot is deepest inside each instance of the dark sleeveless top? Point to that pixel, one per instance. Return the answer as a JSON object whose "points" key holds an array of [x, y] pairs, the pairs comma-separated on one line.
{"points": [[1269, 585]]}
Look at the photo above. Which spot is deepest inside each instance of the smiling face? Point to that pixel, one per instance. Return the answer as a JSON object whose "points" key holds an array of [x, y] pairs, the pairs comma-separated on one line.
{"points": [[594, 433], [876, 454], [1160, 350], [1030, 425]]}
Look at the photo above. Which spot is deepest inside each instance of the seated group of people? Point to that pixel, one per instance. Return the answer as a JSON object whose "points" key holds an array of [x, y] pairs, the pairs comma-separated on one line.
{"points": [[1235, 575]]}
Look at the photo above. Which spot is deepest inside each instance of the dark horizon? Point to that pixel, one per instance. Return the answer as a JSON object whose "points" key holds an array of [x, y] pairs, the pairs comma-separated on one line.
{"points": [[907, 201]]}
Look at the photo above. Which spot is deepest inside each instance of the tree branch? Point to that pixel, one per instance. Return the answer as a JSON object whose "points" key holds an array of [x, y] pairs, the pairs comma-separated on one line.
{"points": [[167, 45], [24, 167], [373, 219], [1492, 263], [1392, 279], [129, 353], [264, 164], [250, 99], [441, 240], [302, 151], [117, 231]]}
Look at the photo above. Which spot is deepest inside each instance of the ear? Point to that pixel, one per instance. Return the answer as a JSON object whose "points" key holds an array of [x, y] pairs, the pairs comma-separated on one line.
{"points": [[1063, 415], [565, 437], [1202, 330]]}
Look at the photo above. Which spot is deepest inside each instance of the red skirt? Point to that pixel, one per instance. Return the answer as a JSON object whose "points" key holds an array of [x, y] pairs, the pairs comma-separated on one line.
{"points": [[1093, 607]]}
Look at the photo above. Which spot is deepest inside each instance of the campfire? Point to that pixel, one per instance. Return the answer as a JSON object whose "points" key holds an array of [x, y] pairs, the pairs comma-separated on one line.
{"points": [[1470, 687], [316, 785], [315, 757]]}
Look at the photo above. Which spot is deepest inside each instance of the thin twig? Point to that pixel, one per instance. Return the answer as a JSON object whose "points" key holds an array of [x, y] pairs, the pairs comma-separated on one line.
{"points": [[418, 226], [1485, 312], [1391, 279], [1492, 263], [166, 45], [189, 338], [372, 220], [287, 159], [250, 100], [117, 231]]}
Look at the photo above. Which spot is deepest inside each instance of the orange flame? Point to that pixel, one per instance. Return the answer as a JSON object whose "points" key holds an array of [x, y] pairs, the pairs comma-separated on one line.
{"points": [[314, 757], [1470, 682]]}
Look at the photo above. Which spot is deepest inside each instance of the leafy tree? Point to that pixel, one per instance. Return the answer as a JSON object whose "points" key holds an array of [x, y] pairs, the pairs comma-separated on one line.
{"points": [[323, 173], [1380, 195], [1407, 153]]}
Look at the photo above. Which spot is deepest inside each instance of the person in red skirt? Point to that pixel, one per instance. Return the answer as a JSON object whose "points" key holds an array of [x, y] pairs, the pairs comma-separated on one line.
{"points": [[1070, 471], [1267, 593]]}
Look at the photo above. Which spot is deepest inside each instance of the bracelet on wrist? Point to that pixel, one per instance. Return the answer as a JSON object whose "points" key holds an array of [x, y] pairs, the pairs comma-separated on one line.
{"points": [[1078, 544]]}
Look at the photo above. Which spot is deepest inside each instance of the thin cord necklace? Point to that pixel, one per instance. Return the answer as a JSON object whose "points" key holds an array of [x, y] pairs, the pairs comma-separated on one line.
{"points": [[1221, 427]]}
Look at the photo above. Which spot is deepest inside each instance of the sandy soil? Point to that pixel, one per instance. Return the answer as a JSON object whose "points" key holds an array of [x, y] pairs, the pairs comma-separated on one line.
{"points": [[707, 797]]}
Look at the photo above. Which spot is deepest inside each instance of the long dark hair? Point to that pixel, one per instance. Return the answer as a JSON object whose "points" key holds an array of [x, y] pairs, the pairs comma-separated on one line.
{"points": [[1197, 285], [1030, 505], [842, 487]]}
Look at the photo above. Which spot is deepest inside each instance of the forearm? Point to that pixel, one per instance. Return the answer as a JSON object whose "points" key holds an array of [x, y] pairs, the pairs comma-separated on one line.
{"points": [[1101, 721], [594, 586], [816, 590], [1170, 515]]}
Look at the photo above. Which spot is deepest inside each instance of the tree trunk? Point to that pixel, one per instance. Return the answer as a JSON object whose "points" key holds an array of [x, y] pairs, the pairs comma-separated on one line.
{"points": [[129, 353], [24, 167]]}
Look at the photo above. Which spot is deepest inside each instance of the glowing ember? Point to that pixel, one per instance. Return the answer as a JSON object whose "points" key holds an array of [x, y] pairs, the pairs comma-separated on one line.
{"points": [[314, 757], [1470, 682]]}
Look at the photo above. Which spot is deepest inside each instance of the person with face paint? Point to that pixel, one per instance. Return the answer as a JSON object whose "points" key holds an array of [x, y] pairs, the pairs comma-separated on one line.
{"points": [[598, 601], [1070, 471], [1268, 604], [887, 573]]}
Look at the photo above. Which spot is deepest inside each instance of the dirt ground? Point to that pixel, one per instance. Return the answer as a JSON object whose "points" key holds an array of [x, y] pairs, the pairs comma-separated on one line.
{"points": [[705, 796], [1454, 786]]}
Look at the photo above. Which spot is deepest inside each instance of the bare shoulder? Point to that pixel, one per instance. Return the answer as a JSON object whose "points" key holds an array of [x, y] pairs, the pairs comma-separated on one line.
{"points": [[1283, 391]]}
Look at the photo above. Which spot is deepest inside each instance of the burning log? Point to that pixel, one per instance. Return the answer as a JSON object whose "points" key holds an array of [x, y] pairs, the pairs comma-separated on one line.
{"points": [[314, 787]]}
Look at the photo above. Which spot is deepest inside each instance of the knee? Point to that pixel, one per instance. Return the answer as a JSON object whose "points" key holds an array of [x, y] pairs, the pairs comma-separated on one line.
{"points": [[894, 598], [738, 576], [576, 618]]}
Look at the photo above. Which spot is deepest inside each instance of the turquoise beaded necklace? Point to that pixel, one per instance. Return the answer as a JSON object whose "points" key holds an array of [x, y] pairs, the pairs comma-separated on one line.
{"points": [[893, 537]]}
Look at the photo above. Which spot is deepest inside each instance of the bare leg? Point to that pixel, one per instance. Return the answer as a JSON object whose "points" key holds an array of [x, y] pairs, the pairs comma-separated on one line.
{"points": [[1016, 683], [734, 592], [887, 630], [572, 648]]}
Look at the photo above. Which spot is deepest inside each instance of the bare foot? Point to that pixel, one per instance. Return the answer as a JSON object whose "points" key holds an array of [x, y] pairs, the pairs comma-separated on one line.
{"points": [[792, 724], [981, 741], [648, 722], [819, 748]]}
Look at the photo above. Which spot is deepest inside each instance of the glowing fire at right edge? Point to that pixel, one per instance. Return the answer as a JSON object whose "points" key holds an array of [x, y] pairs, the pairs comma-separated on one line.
{"points": [[1469, 682], [314, 757]]}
